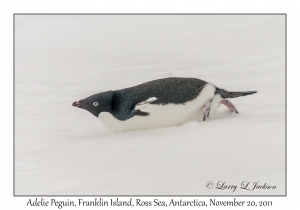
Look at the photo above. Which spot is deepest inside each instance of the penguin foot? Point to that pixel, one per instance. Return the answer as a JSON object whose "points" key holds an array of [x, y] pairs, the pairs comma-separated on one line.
{"points": [[206, 109], [229, 105]]}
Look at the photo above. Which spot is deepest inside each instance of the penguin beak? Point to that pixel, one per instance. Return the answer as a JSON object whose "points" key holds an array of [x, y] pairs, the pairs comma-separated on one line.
{"points": [[77, 103]]}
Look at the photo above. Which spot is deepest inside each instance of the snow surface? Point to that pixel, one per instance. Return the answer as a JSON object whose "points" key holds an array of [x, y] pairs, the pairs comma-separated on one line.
{"points": [[62, 150]]}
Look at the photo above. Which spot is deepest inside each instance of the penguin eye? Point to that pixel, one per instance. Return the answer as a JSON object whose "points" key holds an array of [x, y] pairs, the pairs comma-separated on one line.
{"points": [[95, 103]]}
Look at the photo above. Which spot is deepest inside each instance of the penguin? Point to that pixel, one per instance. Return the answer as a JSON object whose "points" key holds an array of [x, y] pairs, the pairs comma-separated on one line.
{"points": [[159, 103]]}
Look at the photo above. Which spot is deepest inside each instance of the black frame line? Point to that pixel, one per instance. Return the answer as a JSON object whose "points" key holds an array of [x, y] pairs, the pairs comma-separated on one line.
{"points": [[14, 194]]}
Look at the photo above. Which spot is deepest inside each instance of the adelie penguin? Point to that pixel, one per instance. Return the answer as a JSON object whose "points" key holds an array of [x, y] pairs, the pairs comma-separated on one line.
{"points": [[158, 103]]}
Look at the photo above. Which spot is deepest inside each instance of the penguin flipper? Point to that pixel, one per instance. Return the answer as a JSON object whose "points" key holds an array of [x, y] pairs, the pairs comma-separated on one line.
{"points": [[125, 114], [140, 113], [143, 104]]}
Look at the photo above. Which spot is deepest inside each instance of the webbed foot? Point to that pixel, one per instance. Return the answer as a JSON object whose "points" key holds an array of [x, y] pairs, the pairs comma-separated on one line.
{"points": [[229, 105], [206, 109]]}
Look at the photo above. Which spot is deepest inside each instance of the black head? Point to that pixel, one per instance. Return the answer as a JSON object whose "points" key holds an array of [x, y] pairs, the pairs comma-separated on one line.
{"points": [[97, 103]]}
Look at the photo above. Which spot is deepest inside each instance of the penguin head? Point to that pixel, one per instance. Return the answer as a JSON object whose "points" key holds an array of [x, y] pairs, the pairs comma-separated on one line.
{"points": [[97, 103]]}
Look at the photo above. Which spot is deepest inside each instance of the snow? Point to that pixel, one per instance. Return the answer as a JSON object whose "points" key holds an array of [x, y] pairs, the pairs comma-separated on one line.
{"points": [[62, 150]]}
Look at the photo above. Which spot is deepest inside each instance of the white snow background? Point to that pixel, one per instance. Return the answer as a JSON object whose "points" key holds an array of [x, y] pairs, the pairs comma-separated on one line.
{"points": [[63, 150]]}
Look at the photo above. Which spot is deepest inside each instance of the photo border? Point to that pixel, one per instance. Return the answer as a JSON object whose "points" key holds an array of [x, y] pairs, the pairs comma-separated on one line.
{"points": [[14, 185]]}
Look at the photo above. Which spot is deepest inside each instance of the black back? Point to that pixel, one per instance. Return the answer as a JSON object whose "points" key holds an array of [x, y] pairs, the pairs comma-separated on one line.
{"points": [[171, 90]]}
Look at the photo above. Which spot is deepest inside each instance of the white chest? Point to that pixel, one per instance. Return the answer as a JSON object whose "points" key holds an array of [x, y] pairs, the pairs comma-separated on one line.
{"points": [[164, 115]]}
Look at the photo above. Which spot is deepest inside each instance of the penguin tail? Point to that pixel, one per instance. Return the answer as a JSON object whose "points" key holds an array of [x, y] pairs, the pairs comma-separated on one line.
{"points": [[238, 94], [228, 94]]}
